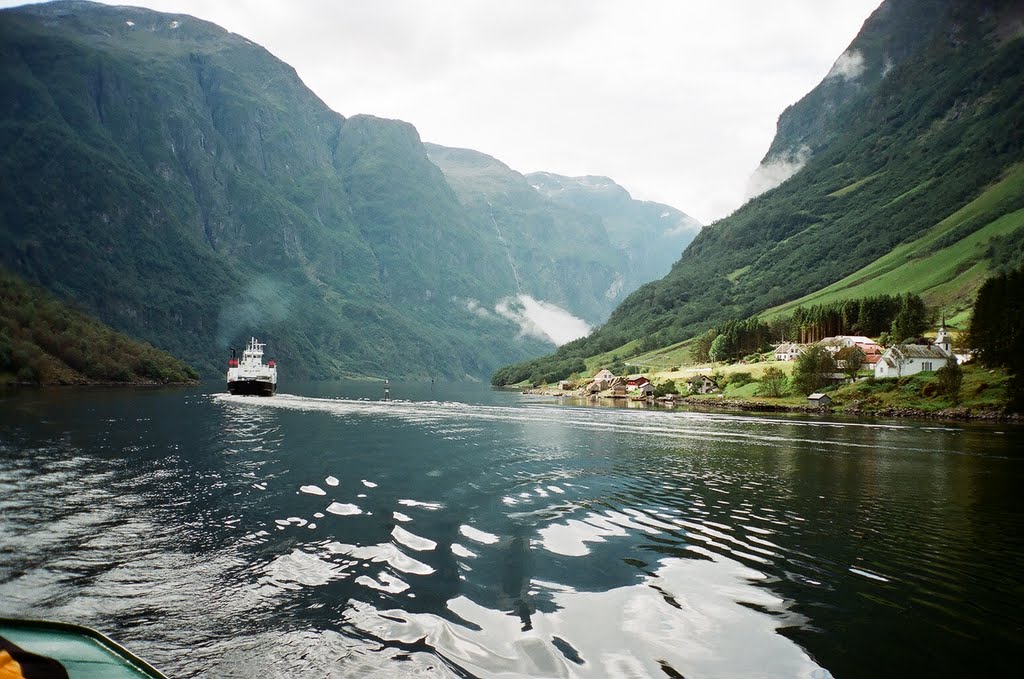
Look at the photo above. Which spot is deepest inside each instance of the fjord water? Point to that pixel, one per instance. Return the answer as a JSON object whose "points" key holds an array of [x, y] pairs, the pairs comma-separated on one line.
{"points": [[464, 532]]}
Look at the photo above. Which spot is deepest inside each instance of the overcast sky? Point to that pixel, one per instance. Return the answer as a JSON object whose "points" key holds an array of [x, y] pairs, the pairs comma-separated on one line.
{"points": [[674, 99]]}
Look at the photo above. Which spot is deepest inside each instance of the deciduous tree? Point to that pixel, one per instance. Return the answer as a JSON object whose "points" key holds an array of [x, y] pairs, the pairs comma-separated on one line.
{"points": [[850, 360], [813, 370], [772, 383]]}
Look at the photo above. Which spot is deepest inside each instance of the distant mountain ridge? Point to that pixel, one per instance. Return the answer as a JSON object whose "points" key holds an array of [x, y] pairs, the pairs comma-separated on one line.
{"points": [[912, 182], [183, 185], [650, 233], [585, 240]]}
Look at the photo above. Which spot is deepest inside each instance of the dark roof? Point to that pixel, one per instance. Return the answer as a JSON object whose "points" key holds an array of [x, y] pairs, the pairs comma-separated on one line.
{"points": [[921, 351]]}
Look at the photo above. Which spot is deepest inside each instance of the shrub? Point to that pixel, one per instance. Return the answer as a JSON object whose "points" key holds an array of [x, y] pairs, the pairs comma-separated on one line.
{"points": [[739, 379], [950, 377], [665, 388], [772, 383]]}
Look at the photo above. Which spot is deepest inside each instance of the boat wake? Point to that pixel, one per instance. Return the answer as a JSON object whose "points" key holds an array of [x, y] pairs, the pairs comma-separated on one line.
{"points": [[439, 416]]}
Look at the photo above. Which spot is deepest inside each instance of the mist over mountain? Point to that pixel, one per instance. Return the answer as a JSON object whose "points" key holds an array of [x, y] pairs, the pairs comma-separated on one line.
{"points": [[888, 37], [906, 177], [651, 234], [182, 184], [579, 242]]}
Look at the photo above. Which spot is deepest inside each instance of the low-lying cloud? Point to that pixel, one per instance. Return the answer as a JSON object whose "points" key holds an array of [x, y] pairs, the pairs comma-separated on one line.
{"points": [[543, 320], [777, 170], [849, 65]]}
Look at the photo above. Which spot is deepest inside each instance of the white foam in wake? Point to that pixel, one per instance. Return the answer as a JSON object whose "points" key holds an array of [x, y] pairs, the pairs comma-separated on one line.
{"points": [[478, 535], [342, 509], [411, 540]]}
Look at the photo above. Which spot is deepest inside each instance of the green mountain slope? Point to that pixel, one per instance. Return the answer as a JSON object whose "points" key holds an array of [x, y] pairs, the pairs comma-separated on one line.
{"points": [[888, 38], [582, 243], [45, 342], [652, 235], [902, 158], [183, 185], [945, 269]]}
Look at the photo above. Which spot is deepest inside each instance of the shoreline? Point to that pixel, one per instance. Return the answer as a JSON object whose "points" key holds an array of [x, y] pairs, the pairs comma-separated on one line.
{"points": [[854, 409], [65, 385], [954, 414]]}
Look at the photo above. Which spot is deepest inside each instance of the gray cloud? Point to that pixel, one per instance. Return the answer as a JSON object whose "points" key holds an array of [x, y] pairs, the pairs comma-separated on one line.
{"points": [[849, 65], [777, 170], [673, 100]]}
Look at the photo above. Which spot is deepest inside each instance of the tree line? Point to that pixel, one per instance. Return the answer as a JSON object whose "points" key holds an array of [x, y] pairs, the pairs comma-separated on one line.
{"points": [[996, 332], [896, 318], [42, 341]]}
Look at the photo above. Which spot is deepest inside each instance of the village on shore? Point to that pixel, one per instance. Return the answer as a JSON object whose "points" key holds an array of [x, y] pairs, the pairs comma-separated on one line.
{"points": [[848, 374]]}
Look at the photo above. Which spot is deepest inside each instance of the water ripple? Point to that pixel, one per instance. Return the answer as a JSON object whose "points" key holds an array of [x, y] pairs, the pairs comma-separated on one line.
{"points": [[324, 536]]}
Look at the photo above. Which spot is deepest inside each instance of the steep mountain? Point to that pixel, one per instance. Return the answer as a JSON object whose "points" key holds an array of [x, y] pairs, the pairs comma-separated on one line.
{"points": [[559, 255], [582, 243], [653, 235], [183, 185], [922, 161], [45, 342], [889, 37]]}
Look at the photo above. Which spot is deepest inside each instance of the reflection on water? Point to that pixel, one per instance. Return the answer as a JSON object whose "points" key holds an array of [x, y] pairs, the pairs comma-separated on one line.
{"points": [[497, 535]]}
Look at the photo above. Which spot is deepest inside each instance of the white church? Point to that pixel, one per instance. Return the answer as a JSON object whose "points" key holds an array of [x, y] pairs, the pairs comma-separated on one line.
{"points": [[908, 359]]}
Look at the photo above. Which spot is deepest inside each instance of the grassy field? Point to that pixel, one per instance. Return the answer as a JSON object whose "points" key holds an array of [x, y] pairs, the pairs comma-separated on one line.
{"points": [[595, 363], [756, 370], [946, 276], [982, 390], [661, 360]]}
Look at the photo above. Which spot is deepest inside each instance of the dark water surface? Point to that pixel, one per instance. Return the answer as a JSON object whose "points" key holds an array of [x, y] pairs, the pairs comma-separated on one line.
{"points": [[470, 533]]}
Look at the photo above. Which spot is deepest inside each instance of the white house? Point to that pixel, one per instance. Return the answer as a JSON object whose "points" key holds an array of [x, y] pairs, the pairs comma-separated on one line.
{"points": [[701, 384], [908, 359], [841, 341], [788, 351]]}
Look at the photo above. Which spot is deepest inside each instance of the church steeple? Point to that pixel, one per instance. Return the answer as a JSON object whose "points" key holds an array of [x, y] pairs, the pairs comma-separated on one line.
{"points": [[942, 339]]}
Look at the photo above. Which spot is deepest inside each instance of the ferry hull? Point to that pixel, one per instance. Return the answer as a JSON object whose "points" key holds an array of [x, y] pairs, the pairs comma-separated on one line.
{"points": [[252, 388]]}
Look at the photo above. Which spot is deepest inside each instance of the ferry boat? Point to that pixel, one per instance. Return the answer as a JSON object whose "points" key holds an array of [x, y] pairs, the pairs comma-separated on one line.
{"points": [[250, 376]]}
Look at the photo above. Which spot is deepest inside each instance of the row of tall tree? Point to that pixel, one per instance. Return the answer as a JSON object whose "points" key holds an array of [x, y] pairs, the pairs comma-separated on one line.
{"points": [[997, 328], [733, 340], [899, 317]]}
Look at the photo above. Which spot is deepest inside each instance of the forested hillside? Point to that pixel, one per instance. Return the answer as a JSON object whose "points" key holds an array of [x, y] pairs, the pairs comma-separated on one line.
{"points": [[923, 155], [653, 235], [45, 342], [184, 186]]}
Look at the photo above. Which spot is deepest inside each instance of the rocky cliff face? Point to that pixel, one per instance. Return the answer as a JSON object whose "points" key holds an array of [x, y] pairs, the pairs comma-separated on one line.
{"points": [[182, 184], [652, 235], [889, 36]]}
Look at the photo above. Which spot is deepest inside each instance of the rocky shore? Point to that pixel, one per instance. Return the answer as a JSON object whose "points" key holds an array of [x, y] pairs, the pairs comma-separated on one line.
{"points": [[858, 409], [853, 408]]}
